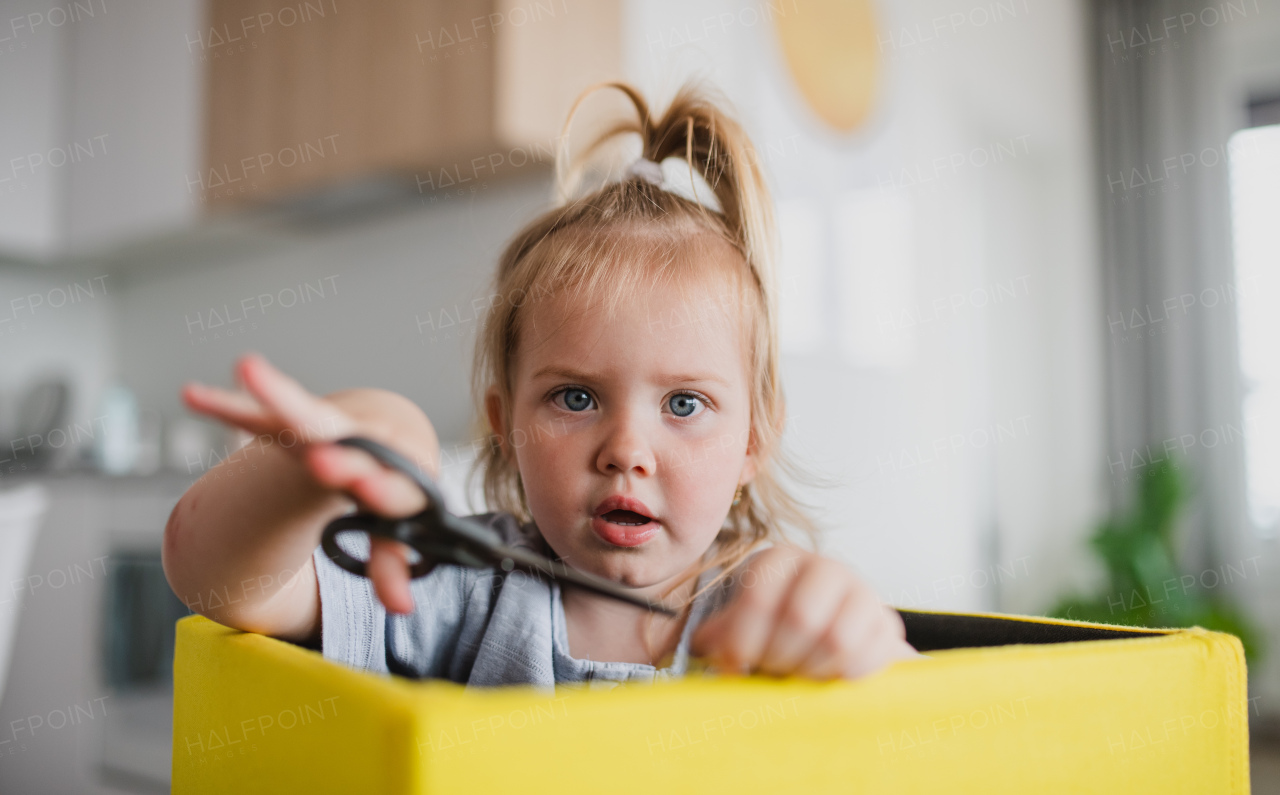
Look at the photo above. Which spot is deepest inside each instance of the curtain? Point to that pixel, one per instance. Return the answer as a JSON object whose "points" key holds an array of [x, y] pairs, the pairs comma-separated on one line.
{"points": [[1163, 120]]}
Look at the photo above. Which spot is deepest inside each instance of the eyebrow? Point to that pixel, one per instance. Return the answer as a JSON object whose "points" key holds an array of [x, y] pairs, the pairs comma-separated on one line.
{"points": [[677, 378]]}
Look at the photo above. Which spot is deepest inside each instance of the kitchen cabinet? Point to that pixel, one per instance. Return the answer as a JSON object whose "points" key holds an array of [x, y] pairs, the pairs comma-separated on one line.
{"points": [[139, 120], [316, 95]]}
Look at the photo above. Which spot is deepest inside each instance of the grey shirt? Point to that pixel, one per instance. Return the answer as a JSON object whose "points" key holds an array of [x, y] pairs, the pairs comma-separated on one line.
{"points": [[481, 627]]}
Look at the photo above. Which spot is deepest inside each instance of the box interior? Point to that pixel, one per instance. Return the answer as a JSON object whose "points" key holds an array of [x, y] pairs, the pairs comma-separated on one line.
{"points": [[937, 631]]}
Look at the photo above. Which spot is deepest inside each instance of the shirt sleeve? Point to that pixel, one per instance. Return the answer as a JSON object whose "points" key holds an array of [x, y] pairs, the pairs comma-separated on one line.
{"points": [[352, 620], [438, 640]]}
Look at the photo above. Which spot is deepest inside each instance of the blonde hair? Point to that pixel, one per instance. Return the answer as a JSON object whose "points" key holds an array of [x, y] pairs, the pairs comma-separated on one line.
{"points": [[591, 244]]}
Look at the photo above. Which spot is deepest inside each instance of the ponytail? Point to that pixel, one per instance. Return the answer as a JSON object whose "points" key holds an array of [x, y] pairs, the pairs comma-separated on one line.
{"points": [[712, 144]]}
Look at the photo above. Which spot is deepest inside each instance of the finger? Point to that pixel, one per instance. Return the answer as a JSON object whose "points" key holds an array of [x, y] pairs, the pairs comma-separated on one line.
{"points": [[307, 415], [827, 658], [854, 645], [388, 570], [747, 621], [374, 486], [883, 649], [233, 408], [880, 650], [717, 631], [810, 606], [706, 636], [886, 644]]}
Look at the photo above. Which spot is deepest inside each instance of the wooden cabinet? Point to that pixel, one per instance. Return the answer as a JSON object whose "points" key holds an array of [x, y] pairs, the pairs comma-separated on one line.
{"points": [[309, 95]]}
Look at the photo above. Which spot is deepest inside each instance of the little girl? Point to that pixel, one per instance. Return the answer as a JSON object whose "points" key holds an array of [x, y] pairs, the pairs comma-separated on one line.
{"points": [[629, 375]]}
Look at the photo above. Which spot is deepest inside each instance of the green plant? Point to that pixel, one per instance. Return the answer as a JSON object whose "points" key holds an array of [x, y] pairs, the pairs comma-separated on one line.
{"points": [[1146, 587]]}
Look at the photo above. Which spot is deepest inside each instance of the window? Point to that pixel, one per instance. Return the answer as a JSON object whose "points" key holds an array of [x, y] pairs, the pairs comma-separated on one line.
{"points": [[1255, 205]]}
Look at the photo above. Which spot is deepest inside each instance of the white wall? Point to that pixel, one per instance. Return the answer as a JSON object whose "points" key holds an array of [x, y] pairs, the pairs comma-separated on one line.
{"points": [[876, 373], [371, 294], [54, 324]]}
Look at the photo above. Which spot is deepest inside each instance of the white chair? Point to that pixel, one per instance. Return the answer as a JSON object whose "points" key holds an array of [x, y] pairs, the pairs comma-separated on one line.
{"points": [[21, 511]]}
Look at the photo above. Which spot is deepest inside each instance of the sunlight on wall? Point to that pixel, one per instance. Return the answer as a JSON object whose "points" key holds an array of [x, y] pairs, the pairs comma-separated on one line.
{"points": [[1255, 206], [875, 257]]}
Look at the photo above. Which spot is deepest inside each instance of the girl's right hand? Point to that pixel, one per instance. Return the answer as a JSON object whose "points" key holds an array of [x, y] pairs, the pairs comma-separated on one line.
{"points": [[280, 412]]}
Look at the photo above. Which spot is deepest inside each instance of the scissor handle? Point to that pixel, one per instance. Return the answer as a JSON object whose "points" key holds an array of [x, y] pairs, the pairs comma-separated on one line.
{"points": [[396, 529], [408, 530]]}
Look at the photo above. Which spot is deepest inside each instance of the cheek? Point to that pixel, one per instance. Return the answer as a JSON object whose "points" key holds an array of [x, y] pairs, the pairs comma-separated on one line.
{"points": [[545, 454], [703, 476], [543, 434], [719, 449]]}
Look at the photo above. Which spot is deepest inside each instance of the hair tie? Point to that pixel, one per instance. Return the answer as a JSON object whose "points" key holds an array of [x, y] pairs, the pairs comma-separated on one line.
{"points": [[648, 170]]}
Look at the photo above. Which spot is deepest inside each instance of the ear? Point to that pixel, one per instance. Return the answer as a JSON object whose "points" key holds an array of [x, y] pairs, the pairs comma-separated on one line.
{"points": [[493, 410], [749, 467], [752, 466]]}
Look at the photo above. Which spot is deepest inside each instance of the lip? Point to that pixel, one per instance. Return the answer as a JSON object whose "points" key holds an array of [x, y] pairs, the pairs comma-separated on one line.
{"points": [[621, 502], [620, 535]]}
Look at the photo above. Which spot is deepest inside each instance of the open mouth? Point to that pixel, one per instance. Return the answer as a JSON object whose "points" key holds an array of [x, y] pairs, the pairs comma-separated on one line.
{"points": [[626, 518], [625, 528]]}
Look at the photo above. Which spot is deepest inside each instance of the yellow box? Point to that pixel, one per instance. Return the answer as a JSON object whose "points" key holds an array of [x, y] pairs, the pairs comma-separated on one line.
{"points": [[1003, 704]]}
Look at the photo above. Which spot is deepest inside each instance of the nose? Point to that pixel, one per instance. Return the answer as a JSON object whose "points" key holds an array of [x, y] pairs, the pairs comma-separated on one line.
{"points": [[626, 447]]}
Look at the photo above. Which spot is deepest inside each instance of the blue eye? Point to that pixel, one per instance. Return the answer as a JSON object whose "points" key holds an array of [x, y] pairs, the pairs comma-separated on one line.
{"points": [[685, 405], [575, 399]]}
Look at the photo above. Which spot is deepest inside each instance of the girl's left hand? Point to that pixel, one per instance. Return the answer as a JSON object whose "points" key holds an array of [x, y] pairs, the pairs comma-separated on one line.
{"points": [[800, 613]]}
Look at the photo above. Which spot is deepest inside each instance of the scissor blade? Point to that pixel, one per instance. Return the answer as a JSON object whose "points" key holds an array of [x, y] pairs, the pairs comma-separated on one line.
{"points": [[534, 563], [465, 542]]}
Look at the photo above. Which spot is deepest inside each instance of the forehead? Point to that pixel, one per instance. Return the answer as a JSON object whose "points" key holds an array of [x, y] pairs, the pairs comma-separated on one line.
{"points": [[684, 325]]}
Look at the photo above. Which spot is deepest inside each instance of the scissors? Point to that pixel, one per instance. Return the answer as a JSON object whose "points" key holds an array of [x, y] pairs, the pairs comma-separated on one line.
{"points": [[440, 537]]}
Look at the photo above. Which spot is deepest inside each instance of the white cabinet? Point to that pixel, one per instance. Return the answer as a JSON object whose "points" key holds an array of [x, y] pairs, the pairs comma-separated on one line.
{"points": [[66, 729], [101, 125]]}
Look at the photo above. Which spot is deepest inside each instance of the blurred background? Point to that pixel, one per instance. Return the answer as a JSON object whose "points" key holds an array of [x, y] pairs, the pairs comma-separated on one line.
{"points": [[1028, 282]]}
